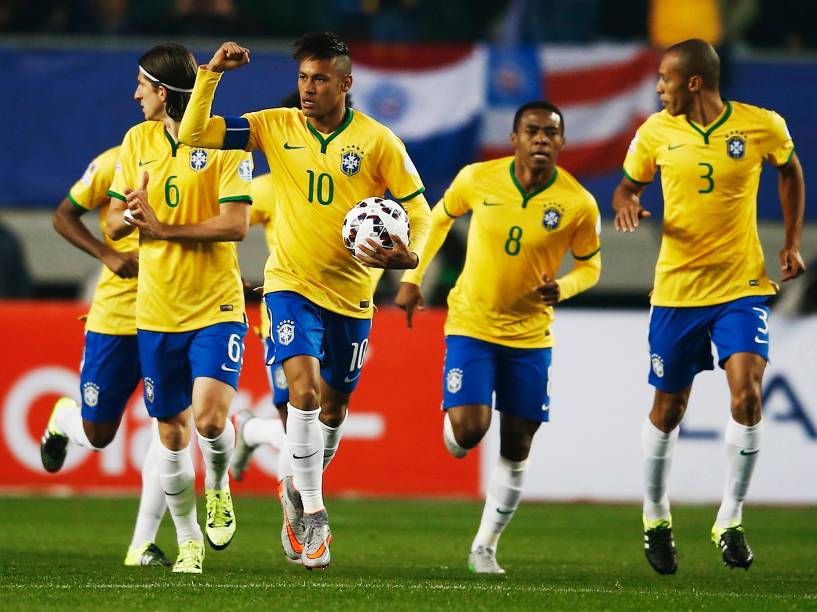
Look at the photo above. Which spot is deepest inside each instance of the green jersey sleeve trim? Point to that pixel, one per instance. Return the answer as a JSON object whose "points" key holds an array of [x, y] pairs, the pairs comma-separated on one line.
{"points": [[239, 198], [76, 204], [118, 196], [637, 182], [586, 257], [411, 195], [445, 210]]}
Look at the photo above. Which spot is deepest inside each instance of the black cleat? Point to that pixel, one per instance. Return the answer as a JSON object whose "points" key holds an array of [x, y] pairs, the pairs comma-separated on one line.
{"points": [[53, 444], [733, 545], [659, 548]]}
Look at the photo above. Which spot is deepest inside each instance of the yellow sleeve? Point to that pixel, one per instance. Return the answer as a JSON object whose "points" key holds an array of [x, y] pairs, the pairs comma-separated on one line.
{"points": [[91, 190], [198, 128], [419, 215], [124, 175], [235, 182], [441, 223], [586, 249], [639, 164], [397, 170], [779, 145], [585, 274]]}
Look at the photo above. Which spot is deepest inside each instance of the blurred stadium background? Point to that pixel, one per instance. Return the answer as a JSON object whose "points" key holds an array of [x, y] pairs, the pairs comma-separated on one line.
{"points": [[447, 77]]}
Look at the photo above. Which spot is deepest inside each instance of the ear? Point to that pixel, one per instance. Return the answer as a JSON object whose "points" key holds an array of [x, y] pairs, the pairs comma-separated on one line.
{"points": [[695, 83], [346, 83], [162, 93], [514, 140]]}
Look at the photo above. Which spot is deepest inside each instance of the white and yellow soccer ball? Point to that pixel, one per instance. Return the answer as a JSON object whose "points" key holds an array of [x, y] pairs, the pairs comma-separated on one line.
{"points": [[375, 218]]}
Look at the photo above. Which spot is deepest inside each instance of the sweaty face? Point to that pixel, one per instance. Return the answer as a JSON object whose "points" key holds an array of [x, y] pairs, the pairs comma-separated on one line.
{"points": [[672, 86], [538, 138], [322, 85], [149, 98]]}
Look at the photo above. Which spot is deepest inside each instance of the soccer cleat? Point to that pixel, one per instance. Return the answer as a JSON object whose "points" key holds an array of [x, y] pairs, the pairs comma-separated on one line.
{"points": [[148, 554], [733, 545], [317, 538], [54, 443], [220, 526], [659, 546], [243, 451], [191, 557], [482, 560], [292, 531]]}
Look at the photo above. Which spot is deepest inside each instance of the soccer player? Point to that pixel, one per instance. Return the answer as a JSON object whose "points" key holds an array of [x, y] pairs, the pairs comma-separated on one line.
{"points": [[109, 373], [190, 205], [711, 284], [324, 159], [527, 213]]}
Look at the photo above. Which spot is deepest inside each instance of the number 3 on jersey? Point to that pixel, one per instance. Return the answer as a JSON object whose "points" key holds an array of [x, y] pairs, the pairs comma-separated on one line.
{"points": [[707, 176]]}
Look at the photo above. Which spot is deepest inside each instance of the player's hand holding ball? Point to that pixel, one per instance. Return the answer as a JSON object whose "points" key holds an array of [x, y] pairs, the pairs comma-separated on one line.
{"points": [[376, 233], [229, 56]]}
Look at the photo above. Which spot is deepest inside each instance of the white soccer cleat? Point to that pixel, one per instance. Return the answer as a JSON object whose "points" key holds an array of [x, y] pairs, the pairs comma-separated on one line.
{"points": [[317, 538], [482, 560], [292, 531]]}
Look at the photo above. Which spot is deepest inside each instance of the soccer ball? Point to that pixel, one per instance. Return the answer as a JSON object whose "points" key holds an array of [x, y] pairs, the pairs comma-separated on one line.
{"points": [[375, 218]]}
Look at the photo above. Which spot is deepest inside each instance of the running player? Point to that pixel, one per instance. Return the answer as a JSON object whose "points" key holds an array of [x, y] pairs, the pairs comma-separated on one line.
{"points": [[324, 159], [711, 284], [189, 204], [527, 213], [109, 373]]}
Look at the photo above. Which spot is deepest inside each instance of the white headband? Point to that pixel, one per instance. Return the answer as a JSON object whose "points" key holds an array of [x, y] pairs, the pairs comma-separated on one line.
{"points": [[170, 87]]}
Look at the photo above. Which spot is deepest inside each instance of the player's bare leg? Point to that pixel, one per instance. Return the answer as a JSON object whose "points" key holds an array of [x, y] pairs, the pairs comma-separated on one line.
{"points": [[305, 444], [504, 491], [744, 373], [464, 427], [658, 438]]}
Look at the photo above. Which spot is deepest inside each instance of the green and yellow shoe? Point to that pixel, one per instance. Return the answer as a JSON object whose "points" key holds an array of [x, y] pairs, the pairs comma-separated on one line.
{"points": [[733, 546], [220, 527], [54, 443], [190, 559], [148, 554], [659, 545]]}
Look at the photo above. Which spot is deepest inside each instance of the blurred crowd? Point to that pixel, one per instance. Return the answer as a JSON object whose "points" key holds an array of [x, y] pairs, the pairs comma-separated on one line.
{"points": [[778, 24]]}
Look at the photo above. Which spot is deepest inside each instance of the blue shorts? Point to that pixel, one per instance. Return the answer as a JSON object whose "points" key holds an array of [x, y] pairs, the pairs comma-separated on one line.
{"points": [[301, 327], [275, 375], [475, 370], [109, 375], [171, 361], [681, 338]]}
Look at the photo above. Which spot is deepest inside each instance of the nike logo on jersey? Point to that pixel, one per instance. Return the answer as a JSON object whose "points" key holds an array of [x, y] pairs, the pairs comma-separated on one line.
{"points": [[761, 340], [743, 451], [671, 147], [226, 369], [305, 456], [484, 203], [145, 163], [288, 146]]}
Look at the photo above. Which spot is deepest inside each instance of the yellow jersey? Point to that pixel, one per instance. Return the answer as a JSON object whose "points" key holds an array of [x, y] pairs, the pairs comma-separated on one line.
{"points": [[113, 308], [710, 250], [184, 285], [263, 212], [513, 239]]}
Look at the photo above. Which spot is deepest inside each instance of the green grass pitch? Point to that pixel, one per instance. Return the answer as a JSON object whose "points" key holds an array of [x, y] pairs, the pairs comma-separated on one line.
{"points": [[58, 553]]}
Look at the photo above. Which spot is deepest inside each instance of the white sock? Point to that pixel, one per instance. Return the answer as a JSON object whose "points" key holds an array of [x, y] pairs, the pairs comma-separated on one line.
{"points": [[658, 448], [331, 440], [284, 461], [177, 478], [305, 443], [742, 446], [69, 422], [216, 453], [501, 501], [448, 434], [258, 431], [152, 504]]}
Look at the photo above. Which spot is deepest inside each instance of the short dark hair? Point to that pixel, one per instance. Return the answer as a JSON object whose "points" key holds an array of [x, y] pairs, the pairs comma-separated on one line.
{"points": [[539, 105], [320, 45], [699, 58], [172, 64]]}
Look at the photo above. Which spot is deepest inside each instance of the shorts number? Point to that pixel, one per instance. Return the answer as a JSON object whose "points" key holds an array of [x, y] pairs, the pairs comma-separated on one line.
{"points": [[358, 354], [234, 347], [763, 315], [513, 244], [323, 188], [171, 192], [707, 177]]}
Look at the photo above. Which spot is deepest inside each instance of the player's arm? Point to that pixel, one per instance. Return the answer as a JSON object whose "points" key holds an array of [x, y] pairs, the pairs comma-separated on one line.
{"points": [[67, 223], [792, 190], [198, 128], [401, 256], [119, 222], [409, 296], [627, 205], [583, 276]]}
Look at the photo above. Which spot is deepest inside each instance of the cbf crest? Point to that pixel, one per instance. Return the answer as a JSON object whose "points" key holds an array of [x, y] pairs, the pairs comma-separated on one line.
{"points": [[285, 332], [198, 159], [351, 158], [736, 145], [90, 394], [149, 390], [453, 380], [552, 216]]}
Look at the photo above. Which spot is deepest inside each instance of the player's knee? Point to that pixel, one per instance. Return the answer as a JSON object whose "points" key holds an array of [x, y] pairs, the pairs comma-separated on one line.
{"points": [[211, 425], [305, 397], [333, 412], [98, 435], [469, 432], [746, 404]]}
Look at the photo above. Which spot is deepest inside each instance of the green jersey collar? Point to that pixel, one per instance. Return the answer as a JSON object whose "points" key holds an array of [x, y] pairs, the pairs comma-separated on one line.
{"points": [[325, 141], [727, 111], [526, 197]]}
